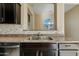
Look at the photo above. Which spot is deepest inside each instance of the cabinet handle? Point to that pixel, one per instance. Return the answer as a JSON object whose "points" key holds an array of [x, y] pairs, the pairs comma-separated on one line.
{"points": [[37, 53], [67, 45], [41, 54]]}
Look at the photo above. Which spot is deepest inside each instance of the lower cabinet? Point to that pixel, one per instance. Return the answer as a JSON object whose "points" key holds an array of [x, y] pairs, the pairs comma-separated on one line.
{"points": [[48, 52], [68, 49], [34, 52], [68, 53], [40, 49], [31, 52]]}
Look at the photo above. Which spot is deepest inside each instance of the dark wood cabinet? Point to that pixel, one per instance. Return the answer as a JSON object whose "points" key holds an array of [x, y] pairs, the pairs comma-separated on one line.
{"points": [[1, 12], [29, 49], [47, 52], [10, 13], [38, 49], [31, 52]]}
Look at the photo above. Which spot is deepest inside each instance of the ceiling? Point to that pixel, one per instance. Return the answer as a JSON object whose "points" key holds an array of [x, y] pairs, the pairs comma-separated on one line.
{"points": [[42, 7]]}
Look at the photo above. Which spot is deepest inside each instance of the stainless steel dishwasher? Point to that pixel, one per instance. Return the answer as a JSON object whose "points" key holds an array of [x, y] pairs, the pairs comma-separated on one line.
{"points": [[7, 48], [68, 49]]}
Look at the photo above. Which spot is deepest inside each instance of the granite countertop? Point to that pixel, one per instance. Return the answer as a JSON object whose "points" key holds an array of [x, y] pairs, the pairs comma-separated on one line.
{"points": [[10, 39], [49, 41], [25, 39]]}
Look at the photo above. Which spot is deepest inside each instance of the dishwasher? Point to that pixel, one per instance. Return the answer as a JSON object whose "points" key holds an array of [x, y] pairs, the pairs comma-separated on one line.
{"points": [[68, 49], [7, 48]]}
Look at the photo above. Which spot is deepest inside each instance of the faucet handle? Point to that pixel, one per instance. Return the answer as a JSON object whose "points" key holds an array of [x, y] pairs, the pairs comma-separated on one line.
{"points": [[38, 33]]}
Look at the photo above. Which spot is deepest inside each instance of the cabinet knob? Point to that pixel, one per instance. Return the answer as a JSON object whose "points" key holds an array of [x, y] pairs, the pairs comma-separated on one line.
{"points": [[67, 45]]}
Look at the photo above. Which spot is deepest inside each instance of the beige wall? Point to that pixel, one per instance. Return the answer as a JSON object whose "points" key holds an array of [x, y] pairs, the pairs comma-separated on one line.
{"points": [[72, 23]]}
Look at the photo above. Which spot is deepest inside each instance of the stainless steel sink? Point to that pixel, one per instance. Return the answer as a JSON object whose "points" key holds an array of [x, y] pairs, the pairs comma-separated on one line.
{"points": [[41, 38]]}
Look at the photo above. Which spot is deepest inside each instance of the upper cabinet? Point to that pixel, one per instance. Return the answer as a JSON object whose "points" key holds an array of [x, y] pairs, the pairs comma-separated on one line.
{"points": [[10, 13]]}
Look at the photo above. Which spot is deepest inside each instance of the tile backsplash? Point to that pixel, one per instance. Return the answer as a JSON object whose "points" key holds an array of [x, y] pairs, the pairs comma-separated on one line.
{"points": [[10, 28], [18, 29]]}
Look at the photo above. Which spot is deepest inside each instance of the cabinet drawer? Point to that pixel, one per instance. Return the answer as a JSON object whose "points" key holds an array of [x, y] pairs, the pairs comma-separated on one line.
{"points": [[39, 45], [68, 53], [68, 46]]}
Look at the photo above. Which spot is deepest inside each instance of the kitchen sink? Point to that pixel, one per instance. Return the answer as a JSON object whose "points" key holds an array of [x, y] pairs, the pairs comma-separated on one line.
{"points": [[41, 38]]}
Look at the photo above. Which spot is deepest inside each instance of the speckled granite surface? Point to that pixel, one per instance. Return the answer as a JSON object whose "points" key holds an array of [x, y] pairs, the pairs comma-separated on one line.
{"points": [[25, 39]]}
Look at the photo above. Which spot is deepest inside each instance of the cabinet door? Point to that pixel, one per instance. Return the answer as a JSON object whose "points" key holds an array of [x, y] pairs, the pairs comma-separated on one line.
{"points": [[29, 49], [39, 49], [48, 53], [30, 52], [1, 12], [9, 13], [68, 53]]}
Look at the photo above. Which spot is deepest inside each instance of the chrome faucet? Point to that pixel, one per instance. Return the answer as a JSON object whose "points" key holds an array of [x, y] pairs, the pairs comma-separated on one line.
{"points": [[38, 36]]}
